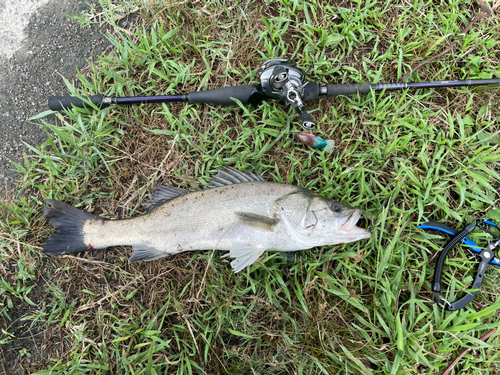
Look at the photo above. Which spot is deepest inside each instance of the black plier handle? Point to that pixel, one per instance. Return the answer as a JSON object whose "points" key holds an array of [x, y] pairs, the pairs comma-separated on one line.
{"points": [[486, 255]]}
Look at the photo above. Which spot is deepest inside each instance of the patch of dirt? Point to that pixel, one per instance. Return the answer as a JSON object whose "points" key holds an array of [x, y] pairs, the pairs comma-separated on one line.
{"points": [[33, 342]]}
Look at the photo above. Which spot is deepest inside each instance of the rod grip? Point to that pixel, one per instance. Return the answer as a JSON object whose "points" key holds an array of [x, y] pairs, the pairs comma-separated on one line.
{"points": [[348, 89], [222, 95], [58, 103], [311, 91]]}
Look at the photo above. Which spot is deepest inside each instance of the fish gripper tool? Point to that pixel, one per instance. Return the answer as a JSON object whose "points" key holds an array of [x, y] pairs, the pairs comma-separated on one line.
{"points": [[486, 256]]}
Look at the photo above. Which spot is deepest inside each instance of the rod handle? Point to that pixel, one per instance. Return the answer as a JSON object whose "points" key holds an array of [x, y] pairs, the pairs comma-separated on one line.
{"points": [[347, 89], [223, 95], [58, 103]]}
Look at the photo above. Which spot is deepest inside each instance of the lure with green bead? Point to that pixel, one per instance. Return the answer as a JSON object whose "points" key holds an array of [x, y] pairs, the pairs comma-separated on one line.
{"points": [[315, 142]]}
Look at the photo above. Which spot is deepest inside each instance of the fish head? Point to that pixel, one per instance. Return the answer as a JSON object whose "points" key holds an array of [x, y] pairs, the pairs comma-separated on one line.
{"points": [[328, 222]]}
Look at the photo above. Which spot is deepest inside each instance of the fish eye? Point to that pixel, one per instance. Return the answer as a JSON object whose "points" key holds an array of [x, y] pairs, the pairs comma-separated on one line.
{"points": [[335, 207]]}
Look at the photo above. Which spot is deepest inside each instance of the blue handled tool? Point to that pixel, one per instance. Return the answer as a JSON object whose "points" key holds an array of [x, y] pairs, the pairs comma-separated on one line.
{"points": [[471, 245], [486, 256]]}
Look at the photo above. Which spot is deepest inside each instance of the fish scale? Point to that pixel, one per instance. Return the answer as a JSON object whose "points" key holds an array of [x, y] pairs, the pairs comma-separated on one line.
{"points": [[175, 220], [240, 213]]}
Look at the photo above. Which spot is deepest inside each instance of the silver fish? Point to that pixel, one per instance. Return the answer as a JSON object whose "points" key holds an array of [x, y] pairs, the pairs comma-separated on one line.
{"points": [[238, 212]]}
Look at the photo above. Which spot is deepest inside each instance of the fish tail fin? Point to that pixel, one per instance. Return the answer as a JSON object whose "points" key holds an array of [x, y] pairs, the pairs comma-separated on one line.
{"points": [[68, 222]]}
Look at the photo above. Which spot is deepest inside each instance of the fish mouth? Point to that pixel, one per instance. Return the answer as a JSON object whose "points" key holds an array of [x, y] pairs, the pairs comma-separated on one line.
{"points": [[348, 225]]}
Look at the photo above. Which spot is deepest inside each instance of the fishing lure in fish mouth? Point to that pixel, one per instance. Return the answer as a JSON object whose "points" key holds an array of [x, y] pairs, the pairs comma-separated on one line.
{"points": [[315, 142], [238, 212]]}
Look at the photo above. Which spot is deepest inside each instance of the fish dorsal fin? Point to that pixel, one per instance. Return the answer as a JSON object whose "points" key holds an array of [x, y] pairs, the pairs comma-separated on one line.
{"points": [[161, 195], [230, 176], [255, 221]]}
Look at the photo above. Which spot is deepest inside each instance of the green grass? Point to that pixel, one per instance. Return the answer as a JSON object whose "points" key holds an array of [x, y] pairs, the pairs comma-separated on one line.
{"points": [[404, 158]]}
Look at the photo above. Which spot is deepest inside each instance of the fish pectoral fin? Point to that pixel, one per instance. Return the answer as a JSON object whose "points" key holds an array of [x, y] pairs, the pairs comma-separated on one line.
{"points": [[146, 253], [255, 221], [244, 256]]}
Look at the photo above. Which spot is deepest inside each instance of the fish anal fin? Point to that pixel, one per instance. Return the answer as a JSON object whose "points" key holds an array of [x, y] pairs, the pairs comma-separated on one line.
{"points": [[145, 253], [256, 221], [245, 255]]}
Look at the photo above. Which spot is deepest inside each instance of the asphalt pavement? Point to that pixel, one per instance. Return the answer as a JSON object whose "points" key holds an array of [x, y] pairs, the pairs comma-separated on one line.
{"points": [[39, 44]]}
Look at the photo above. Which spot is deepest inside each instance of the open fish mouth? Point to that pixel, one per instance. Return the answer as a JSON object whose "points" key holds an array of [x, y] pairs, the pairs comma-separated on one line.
{"points": [[348, 224]]}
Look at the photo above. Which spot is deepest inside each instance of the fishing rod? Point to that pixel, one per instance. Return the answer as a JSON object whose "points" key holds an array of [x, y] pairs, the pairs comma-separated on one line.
{"points": [[280, 79]]}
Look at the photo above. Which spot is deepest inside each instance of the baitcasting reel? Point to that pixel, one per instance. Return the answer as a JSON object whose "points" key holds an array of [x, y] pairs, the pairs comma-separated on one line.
{"points": [[283, 79]]}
